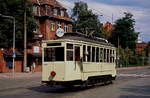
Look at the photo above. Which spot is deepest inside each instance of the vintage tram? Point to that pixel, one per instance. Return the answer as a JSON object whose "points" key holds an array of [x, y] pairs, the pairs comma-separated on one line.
{"points": [[77, 59]]}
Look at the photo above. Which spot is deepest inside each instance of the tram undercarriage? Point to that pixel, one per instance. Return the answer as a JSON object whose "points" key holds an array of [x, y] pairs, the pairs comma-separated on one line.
{"points": [[92, 81]]}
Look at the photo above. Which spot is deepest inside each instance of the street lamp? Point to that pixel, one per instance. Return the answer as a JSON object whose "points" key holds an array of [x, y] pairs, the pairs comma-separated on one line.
{"points": [[14, 34]]}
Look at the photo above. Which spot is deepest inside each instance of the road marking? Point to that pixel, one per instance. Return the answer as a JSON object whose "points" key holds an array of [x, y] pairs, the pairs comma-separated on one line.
{"points": [[18, 91], [133, 75]]}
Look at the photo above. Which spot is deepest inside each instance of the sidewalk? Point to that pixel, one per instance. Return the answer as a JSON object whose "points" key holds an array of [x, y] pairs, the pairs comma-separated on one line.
{"points": [[19, 75]]}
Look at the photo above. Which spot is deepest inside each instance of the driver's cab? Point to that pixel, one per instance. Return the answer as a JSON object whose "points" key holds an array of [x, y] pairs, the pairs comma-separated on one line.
{"points": [[62, 60]]}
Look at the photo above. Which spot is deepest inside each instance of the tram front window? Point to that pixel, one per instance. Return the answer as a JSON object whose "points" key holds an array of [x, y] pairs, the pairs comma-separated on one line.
{"points": [[54, 54]]}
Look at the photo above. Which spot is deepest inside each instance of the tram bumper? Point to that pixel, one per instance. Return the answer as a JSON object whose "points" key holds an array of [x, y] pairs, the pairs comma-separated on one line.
{"points": [[61, 83]]}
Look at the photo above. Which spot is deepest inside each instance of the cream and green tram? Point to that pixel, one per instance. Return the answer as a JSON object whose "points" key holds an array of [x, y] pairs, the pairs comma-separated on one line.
{"points": [[76, 59]]}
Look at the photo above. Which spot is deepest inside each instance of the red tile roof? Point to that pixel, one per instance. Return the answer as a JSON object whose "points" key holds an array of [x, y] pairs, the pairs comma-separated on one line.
{"points": [[53, 3]]}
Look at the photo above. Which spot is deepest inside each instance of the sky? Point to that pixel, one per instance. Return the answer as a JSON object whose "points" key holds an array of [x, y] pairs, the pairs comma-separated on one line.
{"points": [[111, 10]]}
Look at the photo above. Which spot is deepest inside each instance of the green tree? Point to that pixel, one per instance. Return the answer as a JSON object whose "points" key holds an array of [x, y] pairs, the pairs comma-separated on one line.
{"points": [[85, 20], [16, 9], [125, 32]]}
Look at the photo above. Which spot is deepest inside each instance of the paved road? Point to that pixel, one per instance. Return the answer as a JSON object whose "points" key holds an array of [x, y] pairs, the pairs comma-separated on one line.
{"points": [[130, 83]]}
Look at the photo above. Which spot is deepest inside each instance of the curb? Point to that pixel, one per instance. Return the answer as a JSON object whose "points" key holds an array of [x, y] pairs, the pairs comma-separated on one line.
{"points": [[133, 68], [19, 75]]}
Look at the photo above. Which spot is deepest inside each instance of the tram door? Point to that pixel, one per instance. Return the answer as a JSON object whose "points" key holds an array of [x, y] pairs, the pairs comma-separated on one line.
{"points": [[78, 62], [77, 53]]}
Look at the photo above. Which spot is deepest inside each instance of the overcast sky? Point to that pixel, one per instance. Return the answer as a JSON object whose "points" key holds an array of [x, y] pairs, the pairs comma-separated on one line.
{"points": [[108, 8]]}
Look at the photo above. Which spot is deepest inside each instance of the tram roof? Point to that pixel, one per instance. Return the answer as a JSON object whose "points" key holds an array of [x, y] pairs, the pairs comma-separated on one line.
{"points": [[85, 38]]}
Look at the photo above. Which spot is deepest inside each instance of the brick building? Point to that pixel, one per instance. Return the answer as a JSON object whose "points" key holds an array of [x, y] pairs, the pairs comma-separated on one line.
{"points": [[108, 27], [6, 61], [141, 46], [50, 15]]}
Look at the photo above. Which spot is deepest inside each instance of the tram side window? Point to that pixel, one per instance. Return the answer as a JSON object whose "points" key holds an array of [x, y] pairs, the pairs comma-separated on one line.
{"points": [[69, 46], [48, 54], [69, 55], [107, 56], [84, 53], [111, 56], [69, 52], [97, 54], [59, 54], [101, 55], [54, 54], [93, 54], [89, 53]]}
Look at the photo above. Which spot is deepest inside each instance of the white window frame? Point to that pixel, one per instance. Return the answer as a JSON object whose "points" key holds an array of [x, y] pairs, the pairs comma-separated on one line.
{"points": [[35, 9], [62, 13], [55, 11]]}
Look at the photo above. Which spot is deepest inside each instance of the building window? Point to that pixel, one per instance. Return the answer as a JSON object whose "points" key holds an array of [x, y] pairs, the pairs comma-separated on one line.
{"points": [[55, 11], [58, 12], [49, 10], [62, 13], [65, 28], [59, 25], [46, 9], [35, 9], [70, 28], [52, 27]]}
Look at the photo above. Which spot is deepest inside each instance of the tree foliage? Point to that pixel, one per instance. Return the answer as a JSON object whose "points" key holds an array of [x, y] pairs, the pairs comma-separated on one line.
{"points": [[85, 20], [16, 9], [124, 32], [132, 58]]}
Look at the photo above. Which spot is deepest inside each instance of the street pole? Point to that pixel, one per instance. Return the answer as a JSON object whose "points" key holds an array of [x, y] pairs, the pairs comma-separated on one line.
{"points": [[14, 37], [118, 56], [25, 39], [14, 54]]}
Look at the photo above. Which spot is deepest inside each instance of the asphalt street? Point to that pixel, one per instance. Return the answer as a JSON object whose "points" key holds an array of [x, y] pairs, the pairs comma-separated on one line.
{"points": [[130, 83]]}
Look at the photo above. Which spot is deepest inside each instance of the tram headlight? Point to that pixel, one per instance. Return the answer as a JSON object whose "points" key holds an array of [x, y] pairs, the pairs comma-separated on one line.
{"points": [[53, 73]]}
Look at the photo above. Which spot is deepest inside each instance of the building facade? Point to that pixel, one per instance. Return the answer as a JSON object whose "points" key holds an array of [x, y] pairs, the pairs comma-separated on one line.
{"points": [[50, 15], [141, 46]]}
